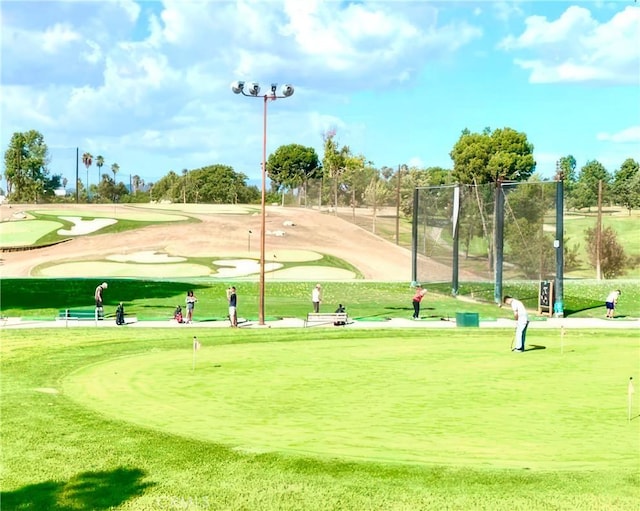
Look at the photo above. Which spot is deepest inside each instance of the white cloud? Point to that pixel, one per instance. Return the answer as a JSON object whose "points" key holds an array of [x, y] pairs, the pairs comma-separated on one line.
{"points": [[56, 37], [152, 80], [416, 162], [507, 10], [629, 135], [578, 48]]}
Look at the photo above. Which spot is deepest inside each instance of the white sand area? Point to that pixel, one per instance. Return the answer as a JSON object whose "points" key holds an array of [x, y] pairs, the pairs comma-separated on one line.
{"points": [[82, 226]]}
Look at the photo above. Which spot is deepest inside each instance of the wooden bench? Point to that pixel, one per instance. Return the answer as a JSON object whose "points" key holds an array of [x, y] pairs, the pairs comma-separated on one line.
{"points": [[327, 318]]}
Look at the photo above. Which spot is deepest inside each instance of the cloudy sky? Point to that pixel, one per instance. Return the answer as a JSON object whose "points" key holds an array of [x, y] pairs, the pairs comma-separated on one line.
{"points": [[146, 83]]}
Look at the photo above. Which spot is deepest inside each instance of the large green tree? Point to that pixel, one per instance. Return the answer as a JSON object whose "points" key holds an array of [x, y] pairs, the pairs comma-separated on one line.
{"points": [[218, 184], [585, 193], [108, 190], [291, 166], [25, 167], [167, 188], [626, 185], [503, 154]]}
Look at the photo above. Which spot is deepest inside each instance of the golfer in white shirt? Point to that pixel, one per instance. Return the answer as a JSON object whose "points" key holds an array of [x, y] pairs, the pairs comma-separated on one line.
{"points": [[522, 321]]}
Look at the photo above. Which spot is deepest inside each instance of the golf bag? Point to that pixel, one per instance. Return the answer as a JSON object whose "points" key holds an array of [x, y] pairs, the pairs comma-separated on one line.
{"points": [[177, 315], [340, 309], [120, 314]]}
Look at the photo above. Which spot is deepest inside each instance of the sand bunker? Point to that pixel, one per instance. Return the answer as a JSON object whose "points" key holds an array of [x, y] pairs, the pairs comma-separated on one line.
{"points": [[146, 256], [242, 267], [82, 226]]}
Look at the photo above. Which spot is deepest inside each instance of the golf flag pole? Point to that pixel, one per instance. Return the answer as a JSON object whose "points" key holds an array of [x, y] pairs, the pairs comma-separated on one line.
{"points": [[630, 392], [196, 347]]}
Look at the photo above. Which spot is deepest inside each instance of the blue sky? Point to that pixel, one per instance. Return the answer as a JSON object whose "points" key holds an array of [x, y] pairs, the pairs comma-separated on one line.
{"points": [[146, 84]]}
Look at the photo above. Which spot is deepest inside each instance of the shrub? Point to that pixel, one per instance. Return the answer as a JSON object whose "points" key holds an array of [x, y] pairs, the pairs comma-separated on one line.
{"points": [[612, 257]]}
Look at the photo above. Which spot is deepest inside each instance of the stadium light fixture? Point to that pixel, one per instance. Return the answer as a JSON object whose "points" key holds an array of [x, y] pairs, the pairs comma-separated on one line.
{"points": [[252, 90]]}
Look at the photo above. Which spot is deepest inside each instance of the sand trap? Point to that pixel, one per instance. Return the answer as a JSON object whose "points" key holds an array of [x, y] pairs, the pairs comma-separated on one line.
{"points": [[82, 226], [146, 256], [242, 267]]}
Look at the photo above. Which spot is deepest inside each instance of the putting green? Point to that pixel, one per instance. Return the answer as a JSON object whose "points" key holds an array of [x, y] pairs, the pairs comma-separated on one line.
{"points": [[409, 400], [205, 209], [25, 232]]}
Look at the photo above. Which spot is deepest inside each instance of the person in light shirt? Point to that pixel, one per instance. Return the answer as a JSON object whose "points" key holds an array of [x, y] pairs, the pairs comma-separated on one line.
{"points": [[522, 321], [611, 301], [316, 297]]}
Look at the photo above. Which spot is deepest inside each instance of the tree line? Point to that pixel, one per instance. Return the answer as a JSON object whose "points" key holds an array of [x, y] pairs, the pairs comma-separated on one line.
{"points": [[340, 178]]}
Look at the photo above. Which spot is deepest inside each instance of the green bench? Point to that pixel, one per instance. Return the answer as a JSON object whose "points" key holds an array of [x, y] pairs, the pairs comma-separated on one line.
{"points": [[78, 314]]}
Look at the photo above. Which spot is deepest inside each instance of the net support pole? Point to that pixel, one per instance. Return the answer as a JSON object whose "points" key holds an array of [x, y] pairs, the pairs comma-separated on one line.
{"points": [[455, 284], [498, 242], [558, 306], [414, 237]]}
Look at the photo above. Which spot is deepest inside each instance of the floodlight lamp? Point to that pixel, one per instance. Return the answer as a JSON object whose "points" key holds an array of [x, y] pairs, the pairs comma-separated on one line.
{"points": [[254, 89], [274, 89], [237, 87], [287, 90]]}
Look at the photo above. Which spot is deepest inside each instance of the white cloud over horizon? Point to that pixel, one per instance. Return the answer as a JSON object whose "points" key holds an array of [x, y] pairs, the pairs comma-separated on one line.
{"points": [[578, 48], [630, 135]]}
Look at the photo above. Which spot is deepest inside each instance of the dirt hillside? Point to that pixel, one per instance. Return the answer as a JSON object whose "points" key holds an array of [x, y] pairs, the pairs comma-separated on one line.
{"points": [[221, 235]]}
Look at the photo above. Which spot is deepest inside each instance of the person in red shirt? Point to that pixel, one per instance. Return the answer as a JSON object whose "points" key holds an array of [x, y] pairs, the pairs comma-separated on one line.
{"points": [[417, 298]]}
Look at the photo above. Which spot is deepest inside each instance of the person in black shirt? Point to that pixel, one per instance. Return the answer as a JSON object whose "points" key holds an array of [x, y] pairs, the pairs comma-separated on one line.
{"points": [[232, 298]]}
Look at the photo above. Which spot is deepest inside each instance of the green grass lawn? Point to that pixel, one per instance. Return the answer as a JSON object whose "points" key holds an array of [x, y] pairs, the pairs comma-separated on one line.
{"points": [[27, 232], [156, 299], [317, 419], [43, 229]]}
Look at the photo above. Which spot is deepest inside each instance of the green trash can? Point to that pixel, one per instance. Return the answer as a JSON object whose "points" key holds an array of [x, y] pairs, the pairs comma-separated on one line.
{"points": [[467, 319]]}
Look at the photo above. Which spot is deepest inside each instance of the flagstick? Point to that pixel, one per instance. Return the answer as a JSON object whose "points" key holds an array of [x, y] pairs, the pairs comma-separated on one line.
{"points": [[195, 348], [630, 392]]}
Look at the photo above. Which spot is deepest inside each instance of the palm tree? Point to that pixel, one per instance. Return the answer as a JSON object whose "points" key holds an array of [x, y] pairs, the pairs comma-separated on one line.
{"points": [[185, 173], [99, 164], [87, 158], [136, 183], [115, 168]]}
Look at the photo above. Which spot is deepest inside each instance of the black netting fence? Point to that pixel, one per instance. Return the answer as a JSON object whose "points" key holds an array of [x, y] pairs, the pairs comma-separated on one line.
{"points": [[485, 233]]}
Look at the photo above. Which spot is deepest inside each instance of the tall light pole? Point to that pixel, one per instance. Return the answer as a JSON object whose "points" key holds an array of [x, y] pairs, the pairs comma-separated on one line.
{"points": [[252, 90]]}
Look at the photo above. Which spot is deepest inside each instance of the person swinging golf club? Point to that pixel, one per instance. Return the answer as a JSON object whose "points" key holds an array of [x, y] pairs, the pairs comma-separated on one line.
{"points": [[522, 322], [99, 300]]}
